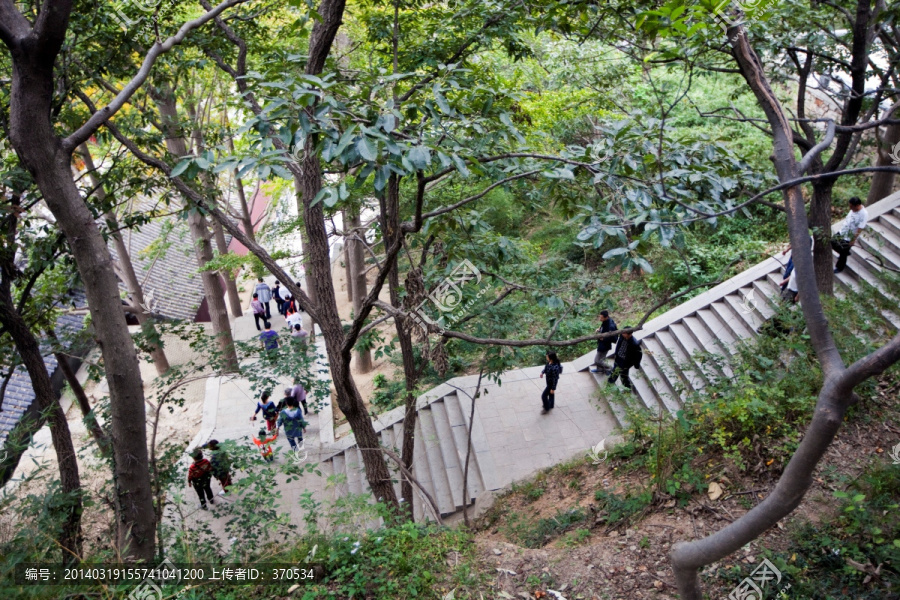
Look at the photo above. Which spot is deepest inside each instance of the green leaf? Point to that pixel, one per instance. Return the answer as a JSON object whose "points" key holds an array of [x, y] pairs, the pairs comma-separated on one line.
{"points": [[180, 167], [367, 149], [420, 157]]}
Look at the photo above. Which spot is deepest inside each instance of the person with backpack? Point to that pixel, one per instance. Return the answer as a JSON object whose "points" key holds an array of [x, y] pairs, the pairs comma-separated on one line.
{"points": [[291, 418], [604, 345], [552, 370], [265, 295], [259, 311], [627, 354], [221, 465], [268, 408], [200, 476]]}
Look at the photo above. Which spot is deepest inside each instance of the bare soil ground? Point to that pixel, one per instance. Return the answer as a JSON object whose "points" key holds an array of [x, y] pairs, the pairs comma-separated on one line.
{"points": [[593, 560]]}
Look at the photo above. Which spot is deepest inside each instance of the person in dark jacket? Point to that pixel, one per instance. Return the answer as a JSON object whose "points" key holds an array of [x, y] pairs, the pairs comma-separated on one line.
{"points": [[221, 465], [552, 371], [627, 354], [604, 345], [277, 296]]}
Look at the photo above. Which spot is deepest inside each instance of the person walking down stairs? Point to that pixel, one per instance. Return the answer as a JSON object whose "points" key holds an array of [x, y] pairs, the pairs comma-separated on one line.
{"points": [[604, 345], [628, 354], [265, 295], [850, 229], [221, 465], [552, 370]]}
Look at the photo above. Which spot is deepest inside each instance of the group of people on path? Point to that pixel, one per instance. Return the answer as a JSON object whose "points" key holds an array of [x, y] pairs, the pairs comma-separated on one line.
{"points": [[627, 355], [287, 414], [287, 307]]}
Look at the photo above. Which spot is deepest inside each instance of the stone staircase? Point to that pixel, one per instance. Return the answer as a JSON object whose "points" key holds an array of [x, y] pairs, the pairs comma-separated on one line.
{"points": [[439, 456], [712, 322]]}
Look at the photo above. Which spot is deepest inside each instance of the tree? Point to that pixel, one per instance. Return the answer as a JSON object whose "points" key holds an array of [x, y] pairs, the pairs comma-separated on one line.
{"points": [[34, 48]]}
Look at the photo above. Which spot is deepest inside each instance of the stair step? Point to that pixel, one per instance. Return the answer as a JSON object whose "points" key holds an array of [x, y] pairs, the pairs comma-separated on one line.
{"points": [[736, 325], [338, 465], [881, 247], [705, 341], [680, 355], [452, 462], [423, 475], [692, 351], [891, 222], [614, 409], [887, 238], [746, 313], [355, 470], [847, 281], [427, 436], [668, 384], [460, 439], [663, 395], [723, 334], [480, 445]]}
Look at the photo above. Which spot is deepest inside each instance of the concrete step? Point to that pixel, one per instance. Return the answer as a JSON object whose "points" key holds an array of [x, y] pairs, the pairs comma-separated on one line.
{"points": [[680, 356], [423, 475], [460, 440], [880, 246], [706, 342], [891, 222], [480, 445], [736, 326], [338, 466], [659, 368], [719, 330], [452, 462], [745, 312], [612, 408], [849, 282], [427, 436], [356, 472], [887, 238]]}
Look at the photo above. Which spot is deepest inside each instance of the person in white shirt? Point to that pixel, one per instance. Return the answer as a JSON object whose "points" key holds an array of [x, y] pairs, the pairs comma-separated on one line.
{"points": [[294, 319], [850, 229]]}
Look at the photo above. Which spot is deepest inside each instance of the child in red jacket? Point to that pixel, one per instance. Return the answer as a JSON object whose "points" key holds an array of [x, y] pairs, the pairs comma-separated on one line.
{"points": [[200, 476], [262, 442]]}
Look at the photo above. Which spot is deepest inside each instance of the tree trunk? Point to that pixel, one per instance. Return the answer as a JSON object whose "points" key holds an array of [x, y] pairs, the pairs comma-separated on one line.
{"points": [[836, 394], [234, 298], [36, 143], [322, 286], [883, 181], [80, 397], [391, 229], [347, 272], [129, 276], [358, 279], [212, 286], [30, 352], [820, 222]]}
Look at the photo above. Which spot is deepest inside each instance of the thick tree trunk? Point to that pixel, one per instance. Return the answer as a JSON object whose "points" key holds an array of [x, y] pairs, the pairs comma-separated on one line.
{"points": [[883, 181], [358, 279], [36, 143], [820, 223], [234, 298], [836, 394], [212, 286], [129, 276], [322, 286], [30, 352]]}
